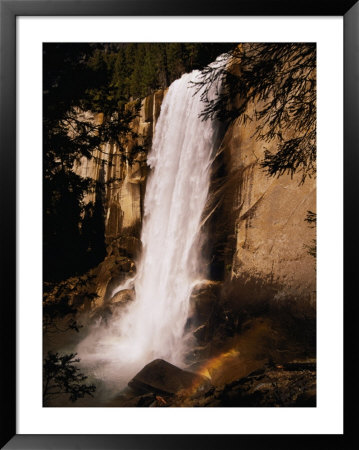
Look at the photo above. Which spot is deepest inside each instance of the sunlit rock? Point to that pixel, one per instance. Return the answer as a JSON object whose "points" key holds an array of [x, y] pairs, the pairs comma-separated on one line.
{"points": [[161, 377], [123, 297]]}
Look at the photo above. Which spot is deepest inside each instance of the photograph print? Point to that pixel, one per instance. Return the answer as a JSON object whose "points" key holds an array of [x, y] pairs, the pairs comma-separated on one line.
{"points": [[179, 225]]}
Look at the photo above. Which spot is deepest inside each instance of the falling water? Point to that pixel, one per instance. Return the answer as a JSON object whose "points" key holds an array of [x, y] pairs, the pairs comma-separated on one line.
{"points": [[153, 324]]}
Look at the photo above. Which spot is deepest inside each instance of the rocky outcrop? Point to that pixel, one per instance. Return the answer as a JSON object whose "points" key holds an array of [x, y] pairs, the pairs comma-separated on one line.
{"points": [[258, 238], [124, 180], [292, 384], [289, 385], [123, 297], [271, 235], [258, 248]]}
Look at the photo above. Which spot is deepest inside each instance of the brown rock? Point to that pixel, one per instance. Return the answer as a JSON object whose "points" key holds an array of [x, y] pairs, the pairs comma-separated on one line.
{"points": [[124, 264], [203, 300], [129, 246], [266, 387], [273, 387], [164, 378], [123, 297], [124, 188], [269, 213]]}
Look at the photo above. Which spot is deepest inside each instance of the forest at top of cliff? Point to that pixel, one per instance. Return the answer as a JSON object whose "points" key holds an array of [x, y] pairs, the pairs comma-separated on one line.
{"points": [[106, 76]]}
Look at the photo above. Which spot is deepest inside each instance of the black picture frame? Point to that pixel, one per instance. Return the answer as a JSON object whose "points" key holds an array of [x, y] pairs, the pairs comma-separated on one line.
{"points": [[9, 10]]}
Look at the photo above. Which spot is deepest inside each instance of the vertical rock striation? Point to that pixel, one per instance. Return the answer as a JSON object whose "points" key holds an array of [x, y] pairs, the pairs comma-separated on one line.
{"points": [[258, 235], [125, 181], [271, 234]]}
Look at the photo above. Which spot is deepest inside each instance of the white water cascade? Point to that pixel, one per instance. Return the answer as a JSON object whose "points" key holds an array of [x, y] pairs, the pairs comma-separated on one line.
{"points": [[153, 325]]}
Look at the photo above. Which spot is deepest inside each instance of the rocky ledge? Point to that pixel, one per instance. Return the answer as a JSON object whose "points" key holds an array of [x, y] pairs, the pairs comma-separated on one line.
{"points": [[292, 384], [160, 384]]}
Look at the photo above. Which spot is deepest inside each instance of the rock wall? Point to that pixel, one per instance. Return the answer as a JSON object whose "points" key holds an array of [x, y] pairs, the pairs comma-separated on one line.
{"points": [[125, 185], [125, 182], [270, 228], [258, 236], [259, 266]]}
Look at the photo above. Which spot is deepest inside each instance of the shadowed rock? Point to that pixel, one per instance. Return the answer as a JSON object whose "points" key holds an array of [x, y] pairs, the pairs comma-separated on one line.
{"points": [[289, 385], [161, 377]]}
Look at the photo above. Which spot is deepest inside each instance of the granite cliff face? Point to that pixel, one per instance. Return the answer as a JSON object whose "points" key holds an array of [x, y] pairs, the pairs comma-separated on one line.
{"points": [[124, 192], [257, 224], [258, 251], [125, 182]]}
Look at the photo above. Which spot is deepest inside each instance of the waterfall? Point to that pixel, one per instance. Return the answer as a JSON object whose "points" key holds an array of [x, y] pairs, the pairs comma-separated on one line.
{"points": [[153, 325]]}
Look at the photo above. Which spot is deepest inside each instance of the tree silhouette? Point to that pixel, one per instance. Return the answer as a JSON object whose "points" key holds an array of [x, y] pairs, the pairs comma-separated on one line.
{"points": [[275, 84], [54, 311], [70, 87], [61, 376]]}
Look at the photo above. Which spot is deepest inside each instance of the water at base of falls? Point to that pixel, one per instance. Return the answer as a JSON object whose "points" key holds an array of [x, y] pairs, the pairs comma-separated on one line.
{"points": [[152, 326]]}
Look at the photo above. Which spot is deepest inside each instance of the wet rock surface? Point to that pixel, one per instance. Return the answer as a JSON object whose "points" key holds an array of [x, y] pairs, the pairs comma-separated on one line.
{"points": [[274, 385], [161, 377], [148, 400], [123, 297], [289, 385]]}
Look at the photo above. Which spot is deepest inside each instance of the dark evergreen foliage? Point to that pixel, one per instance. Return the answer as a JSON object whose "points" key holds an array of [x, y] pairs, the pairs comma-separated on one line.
{"points": [[61, 376], [74, 238], [278, 83], [311, 219], [136, 70], [55, 311]]}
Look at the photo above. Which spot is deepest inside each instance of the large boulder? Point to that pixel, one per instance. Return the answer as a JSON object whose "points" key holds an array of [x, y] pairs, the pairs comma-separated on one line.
{"points": [[161, 377]]}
